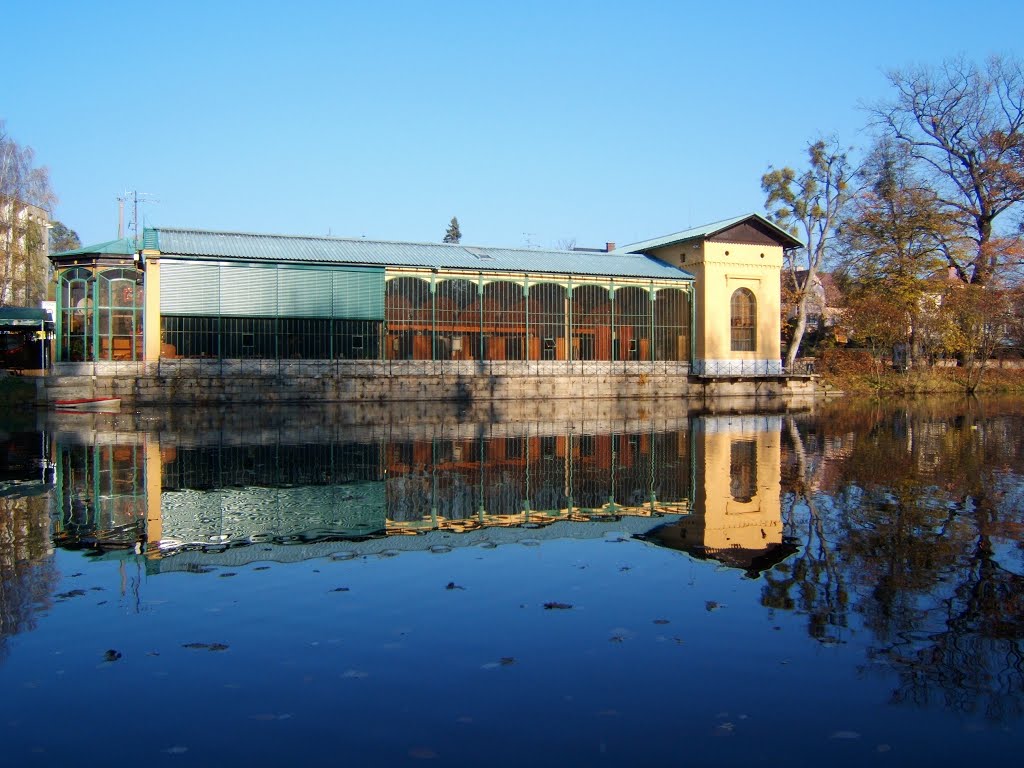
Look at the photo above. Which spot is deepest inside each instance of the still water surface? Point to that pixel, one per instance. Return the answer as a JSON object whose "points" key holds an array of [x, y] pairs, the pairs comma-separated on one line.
{"points": [[838, 585]]}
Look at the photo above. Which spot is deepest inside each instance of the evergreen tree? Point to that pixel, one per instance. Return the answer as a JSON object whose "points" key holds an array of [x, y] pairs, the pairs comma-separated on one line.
{"points": [[453, 235]]}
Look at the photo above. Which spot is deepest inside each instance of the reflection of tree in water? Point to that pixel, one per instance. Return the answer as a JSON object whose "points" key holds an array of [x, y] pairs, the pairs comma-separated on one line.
{"points": [[27, 573], [809, 582], [922, 515]]}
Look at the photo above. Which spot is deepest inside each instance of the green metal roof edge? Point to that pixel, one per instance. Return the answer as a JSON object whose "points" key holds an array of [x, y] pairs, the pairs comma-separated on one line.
{"points": [[705, 230], [123, 247], [23, 313]]}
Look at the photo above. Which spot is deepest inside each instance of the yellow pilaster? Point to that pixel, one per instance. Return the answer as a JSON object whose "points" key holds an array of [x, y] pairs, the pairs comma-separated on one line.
{"points": [[151, 311]]}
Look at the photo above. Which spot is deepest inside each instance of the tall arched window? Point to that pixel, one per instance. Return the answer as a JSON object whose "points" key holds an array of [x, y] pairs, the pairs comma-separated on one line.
{"points": [[744, 321], [76, 315], [119, 307]]}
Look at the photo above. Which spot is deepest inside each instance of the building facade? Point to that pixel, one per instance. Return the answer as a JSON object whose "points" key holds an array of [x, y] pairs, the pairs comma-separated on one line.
{"points": [[696, 300]]}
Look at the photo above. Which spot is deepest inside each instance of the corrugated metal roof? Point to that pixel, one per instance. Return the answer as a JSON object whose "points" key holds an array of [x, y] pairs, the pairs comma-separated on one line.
{"points": [[704, 231], [123, 247], [243, 246]]}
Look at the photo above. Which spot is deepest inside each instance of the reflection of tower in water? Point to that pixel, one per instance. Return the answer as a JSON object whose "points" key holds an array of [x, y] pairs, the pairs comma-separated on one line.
{"points": [[737, 513]]}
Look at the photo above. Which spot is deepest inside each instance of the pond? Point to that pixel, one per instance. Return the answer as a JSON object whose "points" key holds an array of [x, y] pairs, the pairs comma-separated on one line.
{"points": [[594, 583]]}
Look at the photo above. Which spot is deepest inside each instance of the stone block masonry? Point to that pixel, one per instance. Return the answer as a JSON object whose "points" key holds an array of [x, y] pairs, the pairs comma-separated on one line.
{"points": [[217, 382]]}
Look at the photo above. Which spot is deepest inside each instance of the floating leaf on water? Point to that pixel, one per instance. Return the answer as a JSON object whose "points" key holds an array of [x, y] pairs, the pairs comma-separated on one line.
{"points": [[557, 606], [206, 646]]}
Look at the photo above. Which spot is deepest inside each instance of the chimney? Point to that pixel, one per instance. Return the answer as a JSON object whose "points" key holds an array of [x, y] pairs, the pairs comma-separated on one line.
{"points": [[609, 247]]}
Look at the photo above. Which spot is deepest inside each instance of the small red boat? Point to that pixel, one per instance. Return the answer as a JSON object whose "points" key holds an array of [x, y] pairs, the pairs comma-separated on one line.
{"points": [[89, 405]]}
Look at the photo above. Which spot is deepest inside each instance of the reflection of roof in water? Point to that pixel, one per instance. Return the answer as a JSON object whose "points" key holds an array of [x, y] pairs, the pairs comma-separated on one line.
{"points": [[753, 561], [437, 541]]}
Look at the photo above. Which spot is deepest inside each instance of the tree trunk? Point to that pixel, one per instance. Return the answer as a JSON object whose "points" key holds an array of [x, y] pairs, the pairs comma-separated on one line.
{"points": [[798, 332]]}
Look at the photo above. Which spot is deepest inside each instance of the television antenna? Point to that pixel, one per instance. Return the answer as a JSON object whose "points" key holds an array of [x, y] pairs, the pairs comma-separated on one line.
{"points": [[136, 199]]}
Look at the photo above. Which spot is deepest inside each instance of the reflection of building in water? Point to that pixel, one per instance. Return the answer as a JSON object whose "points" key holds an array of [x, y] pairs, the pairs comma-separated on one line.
{"points": [[127, 493], [28, 574], [108, 493], [737, 514]]}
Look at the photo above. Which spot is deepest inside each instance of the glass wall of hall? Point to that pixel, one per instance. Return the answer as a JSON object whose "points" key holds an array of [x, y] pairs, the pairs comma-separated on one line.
{"points": [[99, 314], [453, 318]]}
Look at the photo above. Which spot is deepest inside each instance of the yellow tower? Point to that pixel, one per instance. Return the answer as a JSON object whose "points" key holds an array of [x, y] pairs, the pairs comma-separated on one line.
{"points": [[737, 266]]}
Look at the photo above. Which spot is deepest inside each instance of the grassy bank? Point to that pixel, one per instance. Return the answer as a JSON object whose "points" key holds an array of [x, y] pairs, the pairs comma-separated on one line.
{"points": [[859, 374]]}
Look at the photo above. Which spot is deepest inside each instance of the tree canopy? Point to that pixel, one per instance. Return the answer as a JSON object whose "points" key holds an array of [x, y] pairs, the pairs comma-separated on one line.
{"points": [[963, 124], [808, 203], [25, 199]]}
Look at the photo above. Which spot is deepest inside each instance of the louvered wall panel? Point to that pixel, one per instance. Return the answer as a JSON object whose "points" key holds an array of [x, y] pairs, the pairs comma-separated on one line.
{"points": [[248, 291], [359, 294], [304, 292], [189, 288]]}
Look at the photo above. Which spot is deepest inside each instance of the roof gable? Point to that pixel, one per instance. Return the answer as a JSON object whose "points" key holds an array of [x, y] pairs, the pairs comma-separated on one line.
{"points": [[748, 228]]}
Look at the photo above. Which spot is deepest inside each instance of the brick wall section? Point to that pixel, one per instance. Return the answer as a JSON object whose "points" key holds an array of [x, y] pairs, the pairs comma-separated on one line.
{"points": [[203, 382]]}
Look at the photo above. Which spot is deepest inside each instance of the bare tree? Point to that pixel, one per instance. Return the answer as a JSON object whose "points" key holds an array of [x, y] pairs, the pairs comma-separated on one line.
{"points": [[25, 198], [965, 124], [810, 205]]}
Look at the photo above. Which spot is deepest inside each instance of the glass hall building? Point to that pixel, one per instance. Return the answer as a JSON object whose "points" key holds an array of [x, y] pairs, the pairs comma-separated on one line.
{"points": [[186, 293]]}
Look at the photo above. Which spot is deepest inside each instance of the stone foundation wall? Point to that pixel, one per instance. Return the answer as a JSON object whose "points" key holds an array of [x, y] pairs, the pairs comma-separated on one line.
{"points": [[201, 382]]}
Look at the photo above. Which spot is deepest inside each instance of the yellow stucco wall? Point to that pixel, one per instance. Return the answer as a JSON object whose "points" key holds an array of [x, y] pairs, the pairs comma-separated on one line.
{"points": [[720, 269]]}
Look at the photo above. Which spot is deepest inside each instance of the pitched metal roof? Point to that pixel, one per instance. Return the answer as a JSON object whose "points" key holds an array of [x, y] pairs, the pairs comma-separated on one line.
{"points": [[245, 246], [706, 231], [124, 247]]}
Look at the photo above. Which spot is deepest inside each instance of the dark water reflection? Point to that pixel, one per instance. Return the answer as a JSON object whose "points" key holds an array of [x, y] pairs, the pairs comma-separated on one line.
{"points": [[881, 545]]}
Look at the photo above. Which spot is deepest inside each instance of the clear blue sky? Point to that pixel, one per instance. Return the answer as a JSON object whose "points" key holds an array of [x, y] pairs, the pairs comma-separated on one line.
{"points": [[530, 121]]}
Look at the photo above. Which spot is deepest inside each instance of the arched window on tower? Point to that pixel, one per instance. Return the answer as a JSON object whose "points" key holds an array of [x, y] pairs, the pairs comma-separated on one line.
{"points": [[744, 321]]}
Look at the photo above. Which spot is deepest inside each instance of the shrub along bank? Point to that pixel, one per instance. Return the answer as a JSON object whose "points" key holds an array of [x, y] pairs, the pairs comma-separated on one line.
{"points": [[856, 371]]}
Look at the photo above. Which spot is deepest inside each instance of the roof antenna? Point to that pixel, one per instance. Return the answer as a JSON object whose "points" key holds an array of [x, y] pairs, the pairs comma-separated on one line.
{"points": [[136, 199]]}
